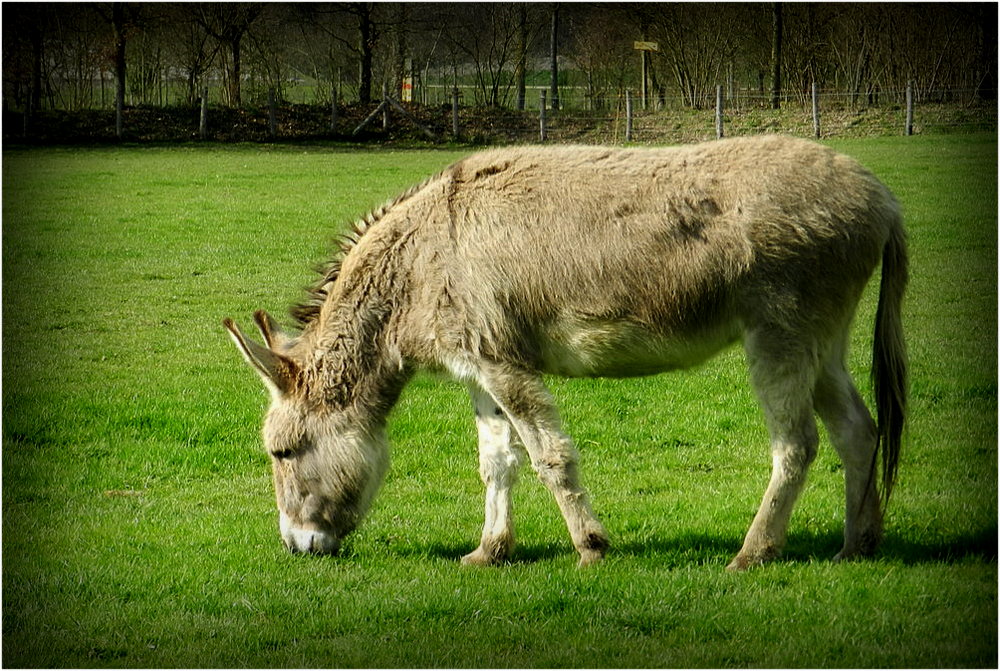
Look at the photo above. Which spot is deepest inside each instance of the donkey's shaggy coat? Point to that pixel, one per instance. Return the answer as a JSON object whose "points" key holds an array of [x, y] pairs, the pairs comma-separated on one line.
{"points": [[588, 261]]}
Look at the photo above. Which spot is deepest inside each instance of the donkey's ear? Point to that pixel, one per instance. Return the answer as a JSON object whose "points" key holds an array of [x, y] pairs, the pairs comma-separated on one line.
{"points": [[269, 330], [278, 372]]}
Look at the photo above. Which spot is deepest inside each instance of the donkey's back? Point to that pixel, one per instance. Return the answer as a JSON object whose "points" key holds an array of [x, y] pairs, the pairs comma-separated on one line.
{"points": [[594, 261]]}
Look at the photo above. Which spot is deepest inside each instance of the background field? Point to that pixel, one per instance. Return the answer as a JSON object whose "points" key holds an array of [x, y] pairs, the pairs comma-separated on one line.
{"points": [[139, 527]]}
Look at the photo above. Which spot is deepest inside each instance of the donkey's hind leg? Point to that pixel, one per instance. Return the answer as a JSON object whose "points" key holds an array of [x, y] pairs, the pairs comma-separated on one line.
{"points": [[853, 434], [498, 464], [783, 378]]}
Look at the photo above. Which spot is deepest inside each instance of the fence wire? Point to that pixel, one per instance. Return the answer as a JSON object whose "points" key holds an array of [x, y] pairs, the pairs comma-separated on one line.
{"points": [[602, 121]]}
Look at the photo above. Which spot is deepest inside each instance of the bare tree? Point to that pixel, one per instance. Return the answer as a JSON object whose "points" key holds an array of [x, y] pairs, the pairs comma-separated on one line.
{"points": [[776, 56], [696, 43], [54, 54], [228, 23], [120, 17], [367, 39], [486, 34], [521, 63], [190, 47], [601, 48], [853, 45], [554, 57]]}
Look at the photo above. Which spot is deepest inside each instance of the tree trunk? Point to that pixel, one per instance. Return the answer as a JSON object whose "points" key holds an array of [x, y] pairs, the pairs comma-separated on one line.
{"points": [[234, 81], [776, 58], [118, 23], [554, 67], [522, 53], [400, 70], [366, 47], [37, 58]]}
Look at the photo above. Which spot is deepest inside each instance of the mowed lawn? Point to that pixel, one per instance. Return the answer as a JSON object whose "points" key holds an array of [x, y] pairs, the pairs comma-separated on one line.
{"points": [[139, 525]]}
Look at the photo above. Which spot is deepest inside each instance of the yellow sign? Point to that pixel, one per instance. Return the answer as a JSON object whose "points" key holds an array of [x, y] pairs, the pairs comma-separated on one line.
{"points": [[646, 46]]}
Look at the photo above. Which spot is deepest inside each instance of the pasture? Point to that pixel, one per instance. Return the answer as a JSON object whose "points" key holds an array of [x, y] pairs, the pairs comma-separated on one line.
{"points": [[139, 525]]}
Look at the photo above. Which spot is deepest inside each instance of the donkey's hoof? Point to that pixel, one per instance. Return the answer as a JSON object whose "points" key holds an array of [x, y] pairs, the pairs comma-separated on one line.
{"points": [[479, 558], [748, 560], [739, 564], [851, 554], [589, 558], [843, 556]]}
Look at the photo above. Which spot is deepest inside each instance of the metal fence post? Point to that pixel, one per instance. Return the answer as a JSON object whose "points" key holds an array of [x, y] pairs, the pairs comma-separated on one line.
{"points": [[541, 115], [718, 112], [385, 106], [909, 108], [272, 114], [628, 115], [333, 108], [203, 123], [815, 101]]}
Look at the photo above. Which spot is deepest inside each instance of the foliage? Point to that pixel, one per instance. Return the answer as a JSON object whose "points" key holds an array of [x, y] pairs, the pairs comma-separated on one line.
{"points": [[139, 528]]}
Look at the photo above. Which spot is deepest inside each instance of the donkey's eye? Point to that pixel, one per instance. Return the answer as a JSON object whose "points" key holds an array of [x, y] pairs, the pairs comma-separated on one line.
{"points": [[286, 449]]}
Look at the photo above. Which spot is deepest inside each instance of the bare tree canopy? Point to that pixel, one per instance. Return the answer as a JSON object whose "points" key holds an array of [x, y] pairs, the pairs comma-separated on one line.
{"points": [[76, 55]]}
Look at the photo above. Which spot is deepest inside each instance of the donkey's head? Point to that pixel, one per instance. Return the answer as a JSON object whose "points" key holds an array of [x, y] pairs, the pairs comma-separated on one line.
{"points": [[327, 463]]}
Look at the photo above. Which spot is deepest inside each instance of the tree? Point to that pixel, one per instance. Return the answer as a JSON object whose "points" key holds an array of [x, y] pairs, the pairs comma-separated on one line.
{"points": [[26, 29], [776, 57], [601, 48], [400, 50], [120, 17], [367, 40], [554, 56], [520, 65], [190, 46], [697, 42], [228, 23], [486, 34], [36, 36]]}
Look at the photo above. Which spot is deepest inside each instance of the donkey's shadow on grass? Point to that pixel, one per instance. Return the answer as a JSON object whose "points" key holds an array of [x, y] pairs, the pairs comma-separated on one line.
{"points": [[802, 547]]}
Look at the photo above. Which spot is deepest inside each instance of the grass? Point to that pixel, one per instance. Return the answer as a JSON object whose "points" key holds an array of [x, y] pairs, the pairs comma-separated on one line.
{"points": [[139, 528]]}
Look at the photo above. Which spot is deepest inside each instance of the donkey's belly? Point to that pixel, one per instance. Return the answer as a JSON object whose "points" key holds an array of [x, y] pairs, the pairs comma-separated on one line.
{"points": [[624, 349]]}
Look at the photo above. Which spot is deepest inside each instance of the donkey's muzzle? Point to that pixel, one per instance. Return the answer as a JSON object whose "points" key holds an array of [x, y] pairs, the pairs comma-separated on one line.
{"points": [[312, 541]]}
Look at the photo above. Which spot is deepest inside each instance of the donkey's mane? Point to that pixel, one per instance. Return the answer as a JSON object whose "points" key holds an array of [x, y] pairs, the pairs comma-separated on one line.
{"points": [[308, 309]]}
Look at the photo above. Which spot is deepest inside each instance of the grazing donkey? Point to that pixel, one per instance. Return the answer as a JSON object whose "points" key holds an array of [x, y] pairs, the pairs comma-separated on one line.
{"points": [[589, 261]]}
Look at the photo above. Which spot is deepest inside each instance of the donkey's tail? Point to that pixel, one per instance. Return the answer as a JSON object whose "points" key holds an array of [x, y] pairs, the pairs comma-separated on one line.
{"points": [[889, 376]]}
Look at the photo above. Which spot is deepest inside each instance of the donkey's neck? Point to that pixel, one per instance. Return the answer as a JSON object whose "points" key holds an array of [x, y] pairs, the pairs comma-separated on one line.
{"points": [[355, 362]]}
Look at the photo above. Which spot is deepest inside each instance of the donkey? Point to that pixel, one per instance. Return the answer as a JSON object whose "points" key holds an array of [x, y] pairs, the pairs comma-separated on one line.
{"points": [[589, 261]]}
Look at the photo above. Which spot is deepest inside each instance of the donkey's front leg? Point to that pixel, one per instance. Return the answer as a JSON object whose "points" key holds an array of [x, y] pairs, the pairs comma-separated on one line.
{"points": [[498, 464], [526, 402]]}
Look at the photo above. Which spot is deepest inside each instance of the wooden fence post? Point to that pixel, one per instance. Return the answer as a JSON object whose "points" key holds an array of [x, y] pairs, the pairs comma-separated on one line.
{"points": [[454, 112], [541, 115], [272, 114], [909, 108], [815, 101], [718, 112], [385, 106], [333, 108], [628, 115], [203, 124]]}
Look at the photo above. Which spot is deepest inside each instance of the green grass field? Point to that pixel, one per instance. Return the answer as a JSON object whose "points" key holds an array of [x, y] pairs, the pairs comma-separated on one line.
{"points": [[139, 527]]}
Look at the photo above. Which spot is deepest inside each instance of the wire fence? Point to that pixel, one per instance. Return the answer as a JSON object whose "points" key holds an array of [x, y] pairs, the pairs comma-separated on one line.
{"points": [[604, 120], [834, 114]]}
